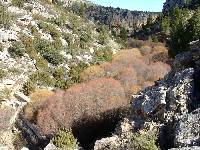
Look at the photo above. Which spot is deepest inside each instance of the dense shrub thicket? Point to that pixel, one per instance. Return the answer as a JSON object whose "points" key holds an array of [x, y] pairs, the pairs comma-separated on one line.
{"points": [[134, 68], [85, 99]]}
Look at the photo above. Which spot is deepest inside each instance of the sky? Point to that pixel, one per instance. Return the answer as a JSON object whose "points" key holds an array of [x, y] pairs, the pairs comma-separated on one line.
{"points": [[140, 5]]}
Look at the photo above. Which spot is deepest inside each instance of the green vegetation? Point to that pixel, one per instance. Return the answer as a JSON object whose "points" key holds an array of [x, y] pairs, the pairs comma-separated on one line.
{"points": [[144, 141], [17, 49], [123, 34], [18, 141], [49, 52], [102, 55], [75, 71], [194, 24], [2, 73], [1, 47], [182, 28], [64, 139], [28, 87], [18, 3], [103, 34], [5, 17]]}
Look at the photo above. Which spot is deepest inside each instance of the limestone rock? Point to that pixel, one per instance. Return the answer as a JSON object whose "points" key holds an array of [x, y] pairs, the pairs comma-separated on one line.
{"points": [[8, 116], [51, 147], [188, 129], [177, 92]]}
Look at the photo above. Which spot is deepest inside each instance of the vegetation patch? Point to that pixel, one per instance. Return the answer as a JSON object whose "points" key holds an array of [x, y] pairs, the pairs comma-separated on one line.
{"points": [[17, 50], [64, 139]]}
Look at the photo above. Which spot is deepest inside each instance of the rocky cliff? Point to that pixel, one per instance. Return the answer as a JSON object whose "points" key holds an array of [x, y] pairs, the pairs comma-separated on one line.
{"points": [[116, 17], [172, 107]]}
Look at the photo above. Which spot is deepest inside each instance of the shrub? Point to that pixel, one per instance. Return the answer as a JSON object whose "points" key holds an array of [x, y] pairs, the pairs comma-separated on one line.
{"points": [[64, 139], [60, 77], [41, 63], [103, 35], [19, 141], [86, 99], [2, 73], [5, 17], [144, 141], [37, 99], [75, 71], [16, 50], [92, 73], [42, 78], [128, 79], [1, 47], [145, 50], [28, 43], [48, 51], [18, 3], [28, 87], [156, 70], [194, 24], [60, 21], [103, 54]]}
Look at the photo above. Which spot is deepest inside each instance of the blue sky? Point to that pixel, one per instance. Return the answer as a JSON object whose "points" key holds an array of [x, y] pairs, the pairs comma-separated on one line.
{"points": [[144, 5]]}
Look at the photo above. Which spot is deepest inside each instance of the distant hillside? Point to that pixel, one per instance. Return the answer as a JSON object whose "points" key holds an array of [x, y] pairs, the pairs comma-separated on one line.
{"points": [[170, 4], [115, 18]]}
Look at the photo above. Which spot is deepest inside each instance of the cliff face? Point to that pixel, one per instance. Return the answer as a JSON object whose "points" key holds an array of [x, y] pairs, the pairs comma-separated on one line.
{"points": [[116, 17]]}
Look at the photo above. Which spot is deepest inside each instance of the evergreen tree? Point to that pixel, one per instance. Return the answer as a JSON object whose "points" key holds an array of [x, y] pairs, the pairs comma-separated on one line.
{"points": [[194, 25]]}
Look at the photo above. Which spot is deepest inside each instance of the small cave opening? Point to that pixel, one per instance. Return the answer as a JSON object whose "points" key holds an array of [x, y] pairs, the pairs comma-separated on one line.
{"points": [[90, 129]]}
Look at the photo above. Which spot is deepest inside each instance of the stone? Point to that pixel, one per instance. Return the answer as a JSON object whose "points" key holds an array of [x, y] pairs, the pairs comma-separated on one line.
{"points": [[51, 147], [21, 97], [170, 94], [24, 148], [7, 119], [3, 147], [107, 143], [188, 129]]}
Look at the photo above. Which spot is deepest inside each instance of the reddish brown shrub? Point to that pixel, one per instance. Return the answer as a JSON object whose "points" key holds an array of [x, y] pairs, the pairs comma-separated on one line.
{"points": [[146, 50], [156, 71], [128, 79], [86, 99]]}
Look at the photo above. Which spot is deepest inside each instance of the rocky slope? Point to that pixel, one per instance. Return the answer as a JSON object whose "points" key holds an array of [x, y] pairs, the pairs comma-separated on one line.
{"points": [[26, 26], [170, 4], [171, 107]]}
